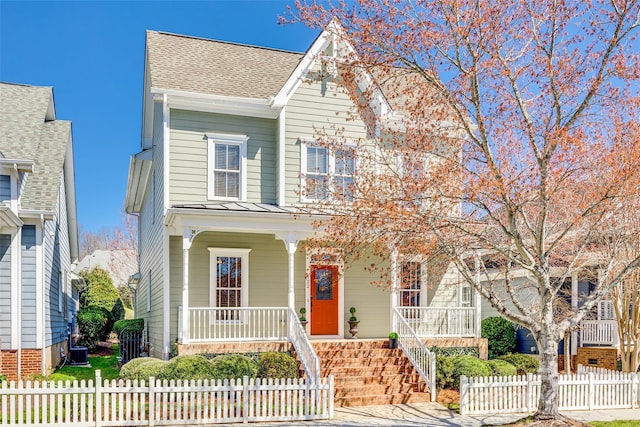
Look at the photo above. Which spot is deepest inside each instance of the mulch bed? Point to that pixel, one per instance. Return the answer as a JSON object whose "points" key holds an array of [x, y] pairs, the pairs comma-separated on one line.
{"points": [[104, 349]]}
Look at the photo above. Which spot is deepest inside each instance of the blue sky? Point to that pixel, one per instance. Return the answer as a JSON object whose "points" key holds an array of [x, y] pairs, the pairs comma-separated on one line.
{"points": [[92, 53]]}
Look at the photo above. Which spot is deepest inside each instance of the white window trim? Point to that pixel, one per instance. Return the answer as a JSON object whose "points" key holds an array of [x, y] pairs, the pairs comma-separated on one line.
{"points": [[331, 168], [423, 278], [223, 138], [214, 253]]}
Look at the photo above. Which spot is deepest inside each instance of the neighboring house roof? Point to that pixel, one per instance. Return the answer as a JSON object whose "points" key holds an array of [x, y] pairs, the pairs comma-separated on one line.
{"points": [[29, 130], [214, 67], [120, 264]]}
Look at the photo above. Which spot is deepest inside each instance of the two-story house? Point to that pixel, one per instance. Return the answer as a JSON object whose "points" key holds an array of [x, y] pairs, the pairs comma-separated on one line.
{"points": [[38, 231], [227, 150]]}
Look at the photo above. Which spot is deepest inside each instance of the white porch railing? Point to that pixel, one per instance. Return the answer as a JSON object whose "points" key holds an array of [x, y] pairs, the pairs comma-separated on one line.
{"points": [[308, 357], [418, 354], [207, 324], [599, 332], [441, 321]]}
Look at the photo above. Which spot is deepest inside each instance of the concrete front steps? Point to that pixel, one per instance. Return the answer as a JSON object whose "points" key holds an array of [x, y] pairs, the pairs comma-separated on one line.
{"points": [[368, 372]]}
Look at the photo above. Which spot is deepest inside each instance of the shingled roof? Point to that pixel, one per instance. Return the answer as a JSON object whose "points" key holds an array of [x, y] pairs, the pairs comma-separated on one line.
{"points": [[29, 131], [214, 67]]}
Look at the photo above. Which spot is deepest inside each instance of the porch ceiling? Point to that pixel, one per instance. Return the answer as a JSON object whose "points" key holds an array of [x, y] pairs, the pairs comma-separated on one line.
{"points": [[240, 217]]}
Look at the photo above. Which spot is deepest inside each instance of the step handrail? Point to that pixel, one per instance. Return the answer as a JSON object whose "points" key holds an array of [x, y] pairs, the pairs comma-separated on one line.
{"points": [[308, 357], [423, 360]]}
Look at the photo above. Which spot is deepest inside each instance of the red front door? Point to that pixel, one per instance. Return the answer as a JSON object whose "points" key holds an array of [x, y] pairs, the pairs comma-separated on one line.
{"points": [[324, 299]]}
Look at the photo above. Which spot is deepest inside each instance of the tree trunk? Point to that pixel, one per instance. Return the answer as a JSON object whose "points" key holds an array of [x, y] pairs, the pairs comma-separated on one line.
{"points": [[548, 403]]}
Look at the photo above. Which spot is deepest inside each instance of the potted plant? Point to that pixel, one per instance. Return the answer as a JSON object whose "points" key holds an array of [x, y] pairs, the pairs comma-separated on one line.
{"points": [[353, 322], [303, 318], [393, 340]]}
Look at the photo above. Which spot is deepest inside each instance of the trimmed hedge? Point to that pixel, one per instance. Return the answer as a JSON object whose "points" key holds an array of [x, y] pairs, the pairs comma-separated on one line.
{"points": [[455, 351], [445, 377], [93, 322], [277, 365], [524, 363], [500, 334], [470, 367], [136, 325], [141, 368], [502, 368], [233, 366], [190, 367]]}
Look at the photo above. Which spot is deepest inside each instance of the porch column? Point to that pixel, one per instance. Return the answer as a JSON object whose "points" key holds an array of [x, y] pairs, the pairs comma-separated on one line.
{"points": [[478, 298], [291, 243], [395, 285], [186, 245]]}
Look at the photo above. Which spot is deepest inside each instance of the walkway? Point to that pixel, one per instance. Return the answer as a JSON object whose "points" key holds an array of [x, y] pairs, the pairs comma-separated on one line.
{"points": [[434, 414]]}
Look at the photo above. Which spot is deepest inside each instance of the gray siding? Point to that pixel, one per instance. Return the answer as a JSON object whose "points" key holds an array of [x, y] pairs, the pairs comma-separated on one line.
{"points": [[315, 107], [28, 287], [56, 258], [188, 159], [5, 291], [151, 243], [5, 188]]}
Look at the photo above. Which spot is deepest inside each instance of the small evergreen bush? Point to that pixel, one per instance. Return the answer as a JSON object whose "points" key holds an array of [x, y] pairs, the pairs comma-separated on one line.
{"points": [[455, 351], [141, 368], [524, 363], [502, 368], [189, 367], [500, 334], [3, 377], [232, 366], [470, 367], [93, 322], [445, 372], [277, 365]]}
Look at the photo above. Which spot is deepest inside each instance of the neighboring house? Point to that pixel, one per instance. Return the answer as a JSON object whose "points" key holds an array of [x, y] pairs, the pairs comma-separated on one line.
{"points": [[38, 231], [119, 263], [227, 141]]}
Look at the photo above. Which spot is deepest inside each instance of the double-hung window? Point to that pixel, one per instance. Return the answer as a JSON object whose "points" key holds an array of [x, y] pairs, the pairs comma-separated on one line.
{"points": [[227, 178], [327, 172], [229, 281], [410, 283]]}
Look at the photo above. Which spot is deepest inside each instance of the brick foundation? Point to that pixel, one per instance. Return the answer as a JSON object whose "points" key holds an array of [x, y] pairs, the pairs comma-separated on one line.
{"points": [[602, 357], [243, 347], [30, 363]]}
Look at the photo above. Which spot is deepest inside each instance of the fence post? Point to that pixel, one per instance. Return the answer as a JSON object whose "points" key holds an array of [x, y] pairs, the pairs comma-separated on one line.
{"points": [[635, 393], [245, 399], [529, 395], [331, 393], [432, 376], [98, 398], [152, 401], [592, 389], [464, 395]]}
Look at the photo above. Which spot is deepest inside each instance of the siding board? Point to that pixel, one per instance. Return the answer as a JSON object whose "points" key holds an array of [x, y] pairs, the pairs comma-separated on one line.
{"points": [[5, 291], [28, 286]]}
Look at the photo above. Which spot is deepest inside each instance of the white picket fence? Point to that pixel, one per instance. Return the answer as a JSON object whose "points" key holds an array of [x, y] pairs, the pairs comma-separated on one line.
{"points": [[513, 394], [156, 402]]}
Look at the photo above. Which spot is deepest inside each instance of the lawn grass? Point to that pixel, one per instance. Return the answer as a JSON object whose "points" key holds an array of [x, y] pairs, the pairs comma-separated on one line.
{"points": [[617, 423], [108, 365]]}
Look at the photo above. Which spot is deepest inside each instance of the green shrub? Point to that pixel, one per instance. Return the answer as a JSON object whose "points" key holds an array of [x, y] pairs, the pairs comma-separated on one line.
{"points": [[233, 366], [502, 368], [3, 377], [92, 322], [277, 365], [524, 363], [455, 351], [136, 325], [500, 334], [57, 376], [445, 372], [189, 367], [470, 367], [141, 368], [101, 292]]}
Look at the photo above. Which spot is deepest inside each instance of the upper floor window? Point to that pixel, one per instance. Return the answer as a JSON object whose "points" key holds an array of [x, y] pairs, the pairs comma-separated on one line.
{"points": [[227, 166], [326, 172], [410, 283], [5, 188]]}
